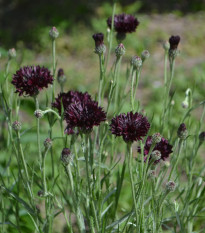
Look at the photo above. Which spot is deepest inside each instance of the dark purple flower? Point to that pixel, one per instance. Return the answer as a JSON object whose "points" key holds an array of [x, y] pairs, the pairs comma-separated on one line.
{"points": [[84, 116], [29, 80], [163, 147], [174, 41], [123, 23], [131, 127], [98, 38], [68, 98]]}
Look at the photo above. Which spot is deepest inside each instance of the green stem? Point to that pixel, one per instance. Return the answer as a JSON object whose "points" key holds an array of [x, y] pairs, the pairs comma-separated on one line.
{"points": [[44, 170], [130, 162], [6, 74], [167, 86], [38, 133], [138, 72], [24, 166], [177, 159], [101, 81], [52, 111], [54, 67], [79, 215], [117, 84], [114, 83], [132, 89], [88, 174], [111, 33]]}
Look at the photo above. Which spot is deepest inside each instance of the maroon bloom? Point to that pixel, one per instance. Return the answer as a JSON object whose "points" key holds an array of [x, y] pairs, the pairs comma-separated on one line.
{"points": [[123, 23], [174, 41], [98, 38], [131, 127], [65, 99], [163, 147], [29, 80], [84, 116]]}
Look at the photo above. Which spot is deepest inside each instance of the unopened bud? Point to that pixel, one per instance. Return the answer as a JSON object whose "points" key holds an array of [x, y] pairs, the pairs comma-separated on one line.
{"points": [[145, 55], [156, 155], [48, 143], [120, 50], [40, 193], [166, 164], [166, 45], [202, 137], [53, 33], [170, 186], [16, 126], [66, 156], [61, 76], [38, 113], [172, 102], [136, 62], [101, 49], [156, 138], [12, 53], [182, 132], [152, 174], [185, 104]]}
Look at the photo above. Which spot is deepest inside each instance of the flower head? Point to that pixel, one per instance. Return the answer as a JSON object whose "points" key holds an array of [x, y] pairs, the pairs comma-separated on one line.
{"points": [[29, 80], [131, 126], [84, 116], [98, 38], [66, 156], [16, 125], [170, 186], [120, 50], [65, 99], [61, 76], [12, 53], [100, 48], [48, 143], [123, 23], [163, 147], [53, 33], [174, 41], [182, 131]]}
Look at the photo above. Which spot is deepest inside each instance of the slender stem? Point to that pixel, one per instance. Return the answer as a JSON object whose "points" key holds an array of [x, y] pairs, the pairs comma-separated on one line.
{"points": [[76, 203], [130, 162], [111, 33], [6, 74], [87, 160], [52, 111], [54, 67], [24, 166], [114, 83], [101, 81], [138, 72], [38, 133], [132, 88], [44, 170], [168, 85], [177, 159], [117, 83]]}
